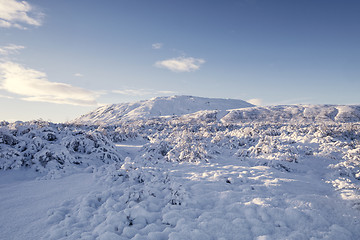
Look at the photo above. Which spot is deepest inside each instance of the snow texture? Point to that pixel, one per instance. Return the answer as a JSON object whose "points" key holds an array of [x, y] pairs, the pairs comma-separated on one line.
{"points": [[281, 172]]}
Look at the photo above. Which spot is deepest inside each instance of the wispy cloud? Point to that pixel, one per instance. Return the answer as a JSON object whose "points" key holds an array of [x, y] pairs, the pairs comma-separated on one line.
{"points": [[78, 75], [10, 49], [166, 92], [157, 45], [181, 64], [17, 13], [133, 92], [255, 101], [141, 92], [4, 96], [33, 85]]}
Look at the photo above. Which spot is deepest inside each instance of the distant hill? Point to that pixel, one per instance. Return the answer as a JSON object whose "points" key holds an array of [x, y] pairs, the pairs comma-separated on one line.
{"points": [[158, 107], [295, 113], [226, 110]]}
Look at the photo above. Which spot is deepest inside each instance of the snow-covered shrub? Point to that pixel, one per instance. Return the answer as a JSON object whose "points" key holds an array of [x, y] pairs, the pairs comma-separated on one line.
{"points": [[55, 154], [193, 138], [91, 145], [45, 146]]}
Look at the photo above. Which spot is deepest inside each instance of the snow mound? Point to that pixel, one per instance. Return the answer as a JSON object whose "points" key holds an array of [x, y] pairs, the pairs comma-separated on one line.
{"points": [[157, 107], [295, 113]]}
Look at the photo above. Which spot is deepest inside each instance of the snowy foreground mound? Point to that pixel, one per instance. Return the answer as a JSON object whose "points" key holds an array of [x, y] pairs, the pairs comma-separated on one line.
{"points": [[191, 176], [157, 107]]}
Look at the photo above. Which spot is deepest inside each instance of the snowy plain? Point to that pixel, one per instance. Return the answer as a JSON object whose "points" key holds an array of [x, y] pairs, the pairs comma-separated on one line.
{"points": [[202, 175], [26, 200]]}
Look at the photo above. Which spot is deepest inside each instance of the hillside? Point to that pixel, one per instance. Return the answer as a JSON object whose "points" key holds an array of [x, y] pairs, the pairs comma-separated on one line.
{"points": [[157, 107], [227, 110], [295, 114]]}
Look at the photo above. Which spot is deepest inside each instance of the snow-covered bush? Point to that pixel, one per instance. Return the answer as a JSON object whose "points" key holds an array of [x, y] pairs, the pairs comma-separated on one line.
{"points": [[194, 138], [44, 146]]}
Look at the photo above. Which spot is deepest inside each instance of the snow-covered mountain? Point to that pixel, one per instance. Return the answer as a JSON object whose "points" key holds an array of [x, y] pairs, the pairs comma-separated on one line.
{"points": [[228, 110], [295, 114], [158, 107]]}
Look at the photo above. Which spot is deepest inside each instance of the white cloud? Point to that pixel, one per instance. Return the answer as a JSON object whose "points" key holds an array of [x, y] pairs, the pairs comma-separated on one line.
{"points": [[255, 101], [10, 49], [166, 92], [16, 13], [133, 92], [181, 64], [78, 75], [33, 85], [141, 92], [157, 45]]}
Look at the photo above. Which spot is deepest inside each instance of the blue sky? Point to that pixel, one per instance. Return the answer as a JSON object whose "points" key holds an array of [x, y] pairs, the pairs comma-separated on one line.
{"points": [[61, 59]]}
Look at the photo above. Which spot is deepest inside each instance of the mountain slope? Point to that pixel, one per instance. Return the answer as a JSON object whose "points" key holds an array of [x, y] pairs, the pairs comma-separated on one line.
{"points": [[295, 113], [158, 107]]}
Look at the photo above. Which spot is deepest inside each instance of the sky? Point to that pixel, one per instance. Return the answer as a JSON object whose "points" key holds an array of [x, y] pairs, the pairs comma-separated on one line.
{"points": [[62, 59]]}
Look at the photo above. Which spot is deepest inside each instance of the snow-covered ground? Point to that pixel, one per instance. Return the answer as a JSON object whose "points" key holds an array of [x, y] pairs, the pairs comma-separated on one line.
{"points": [[223, 199], [193, 176], [25, 201]]}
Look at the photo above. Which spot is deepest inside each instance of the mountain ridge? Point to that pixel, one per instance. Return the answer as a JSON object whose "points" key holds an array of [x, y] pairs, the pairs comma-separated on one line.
{"points": [[230, 111], [158, 107], [295, 113]]}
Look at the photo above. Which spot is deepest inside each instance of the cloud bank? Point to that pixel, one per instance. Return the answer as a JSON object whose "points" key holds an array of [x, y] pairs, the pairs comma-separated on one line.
{"points": [[17, 13], [181, 64], [33, 85]]}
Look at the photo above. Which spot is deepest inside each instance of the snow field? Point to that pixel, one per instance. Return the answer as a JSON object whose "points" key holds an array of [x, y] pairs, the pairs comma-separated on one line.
{"points": [[259, 203], [226, 200], [124, 206], [193, 178], [26, 200]]}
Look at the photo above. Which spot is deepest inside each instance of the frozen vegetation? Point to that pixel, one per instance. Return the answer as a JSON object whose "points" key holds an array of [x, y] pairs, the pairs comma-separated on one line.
{"points": [[281, 172]]}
